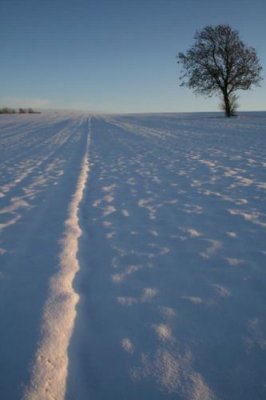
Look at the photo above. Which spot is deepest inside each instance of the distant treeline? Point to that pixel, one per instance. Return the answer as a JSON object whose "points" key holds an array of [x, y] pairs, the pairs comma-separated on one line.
{"points": [[8, 110]]}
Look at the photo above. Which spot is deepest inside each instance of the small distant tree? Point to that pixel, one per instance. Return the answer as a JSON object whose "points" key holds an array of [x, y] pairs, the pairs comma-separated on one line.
{"points": [[219, 62], [7, 110]]}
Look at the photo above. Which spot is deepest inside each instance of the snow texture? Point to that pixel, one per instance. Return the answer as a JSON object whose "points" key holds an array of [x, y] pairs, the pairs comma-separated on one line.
{"points": [[132, 257]]}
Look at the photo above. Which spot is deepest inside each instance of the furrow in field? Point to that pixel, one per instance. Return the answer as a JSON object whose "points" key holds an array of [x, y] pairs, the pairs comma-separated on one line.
{"points": [[28, 171], [50, 367]]}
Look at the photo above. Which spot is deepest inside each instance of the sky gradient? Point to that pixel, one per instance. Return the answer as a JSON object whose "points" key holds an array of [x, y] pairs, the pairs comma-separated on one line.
{"points": [[115, 55]]}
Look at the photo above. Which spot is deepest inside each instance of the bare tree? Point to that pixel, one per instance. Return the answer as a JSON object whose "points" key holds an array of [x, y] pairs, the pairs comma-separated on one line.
{"points": [[219, 62]]}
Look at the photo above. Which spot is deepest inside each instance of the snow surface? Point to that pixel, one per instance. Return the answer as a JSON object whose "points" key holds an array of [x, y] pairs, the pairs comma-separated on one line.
{"points": [[133, 254]]}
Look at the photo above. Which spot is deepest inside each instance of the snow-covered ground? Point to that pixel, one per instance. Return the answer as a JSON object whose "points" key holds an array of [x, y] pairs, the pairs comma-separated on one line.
{"points": [[133, 257]]}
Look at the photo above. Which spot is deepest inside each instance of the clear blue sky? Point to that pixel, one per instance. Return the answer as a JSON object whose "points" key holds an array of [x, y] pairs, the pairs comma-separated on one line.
{"points": [[115, 55]]}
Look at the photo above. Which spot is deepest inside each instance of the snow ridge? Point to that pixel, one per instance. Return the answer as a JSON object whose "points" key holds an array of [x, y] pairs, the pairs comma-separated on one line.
{"points": [[50, 368]]}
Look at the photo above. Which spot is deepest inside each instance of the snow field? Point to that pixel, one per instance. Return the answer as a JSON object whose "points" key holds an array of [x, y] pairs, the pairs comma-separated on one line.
{"points": [[133, 257], [174, 213]]}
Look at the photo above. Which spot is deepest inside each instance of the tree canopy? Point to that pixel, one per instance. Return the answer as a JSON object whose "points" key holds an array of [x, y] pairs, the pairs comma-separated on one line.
{"points": [[219, 62]]}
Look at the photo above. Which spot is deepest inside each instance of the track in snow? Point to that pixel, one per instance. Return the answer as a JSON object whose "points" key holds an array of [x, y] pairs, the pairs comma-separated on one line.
{"points": [[51, 362], [171, 236], [41, 160]]}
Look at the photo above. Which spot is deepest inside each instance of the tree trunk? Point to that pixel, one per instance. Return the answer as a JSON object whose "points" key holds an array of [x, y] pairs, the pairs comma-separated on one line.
{"points": [[227, 105]]}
